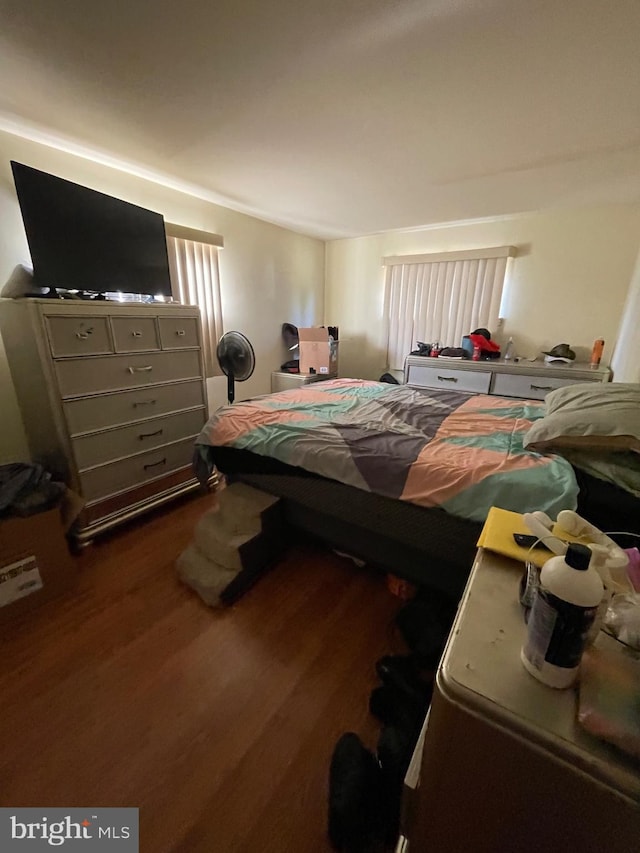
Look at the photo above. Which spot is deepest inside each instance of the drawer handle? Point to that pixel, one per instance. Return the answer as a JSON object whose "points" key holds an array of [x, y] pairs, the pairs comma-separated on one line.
{"points": [[146, 369], [150, 434], [180, 333], [155, 464], [83, 335], [136, 334], [144, 403], [541, 387], [447, 378]]}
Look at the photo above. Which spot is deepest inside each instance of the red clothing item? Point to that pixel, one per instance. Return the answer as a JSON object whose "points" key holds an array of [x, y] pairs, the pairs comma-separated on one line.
{"points": [[483, 343]]}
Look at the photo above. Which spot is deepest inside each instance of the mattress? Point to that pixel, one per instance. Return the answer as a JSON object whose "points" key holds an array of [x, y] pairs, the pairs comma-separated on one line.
{"points": [[426, 546], [429, 547], [454, 450], [362, 464]]}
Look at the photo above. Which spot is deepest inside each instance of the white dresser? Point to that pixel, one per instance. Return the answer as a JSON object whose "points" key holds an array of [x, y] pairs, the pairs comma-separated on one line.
{"points": [[282, 381], [530, 380], [112, 396]]}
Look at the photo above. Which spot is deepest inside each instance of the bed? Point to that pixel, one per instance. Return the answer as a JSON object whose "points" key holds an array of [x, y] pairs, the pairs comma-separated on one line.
{"points": [[400, 478]]}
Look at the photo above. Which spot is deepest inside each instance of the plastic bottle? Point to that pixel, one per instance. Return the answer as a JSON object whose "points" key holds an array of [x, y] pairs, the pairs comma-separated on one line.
{"points": [[563, 611], [508, 350], [596, 353]]}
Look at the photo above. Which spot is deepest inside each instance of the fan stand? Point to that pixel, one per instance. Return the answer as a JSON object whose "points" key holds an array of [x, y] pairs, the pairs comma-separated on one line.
{"points": [[236, 359], [231, 387]]}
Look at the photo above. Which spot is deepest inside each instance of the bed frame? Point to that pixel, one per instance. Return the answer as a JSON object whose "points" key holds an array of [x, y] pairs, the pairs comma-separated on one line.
{"points": [[429, 547], [426, 546]]}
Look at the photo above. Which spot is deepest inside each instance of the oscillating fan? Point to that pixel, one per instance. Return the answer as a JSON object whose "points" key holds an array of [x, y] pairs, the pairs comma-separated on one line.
{"points": [[236, 359]]}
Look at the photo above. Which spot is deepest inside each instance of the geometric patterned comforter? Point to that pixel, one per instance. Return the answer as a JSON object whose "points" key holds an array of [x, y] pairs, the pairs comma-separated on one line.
{"points": [[458, 451]]}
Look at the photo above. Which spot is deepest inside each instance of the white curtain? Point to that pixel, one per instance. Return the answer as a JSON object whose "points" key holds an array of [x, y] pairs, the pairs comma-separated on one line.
{"points": [[195, 278], [441, 298]]}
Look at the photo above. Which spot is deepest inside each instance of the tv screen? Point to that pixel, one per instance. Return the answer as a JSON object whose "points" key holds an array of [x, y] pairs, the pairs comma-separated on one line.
{"points": [[84, 240]]}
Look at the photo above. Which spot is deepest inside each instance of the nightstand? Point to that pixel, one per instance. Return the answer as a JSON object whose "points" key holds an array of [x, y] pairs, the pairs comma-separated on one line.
{"points": [[282, 381], [502, 764]]}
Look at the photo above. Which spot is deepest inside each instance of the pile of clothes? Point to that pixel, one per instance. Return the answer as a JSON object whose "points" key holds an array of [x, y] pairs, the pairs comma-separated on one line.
{"points": [[479, 338], [26, 488]]}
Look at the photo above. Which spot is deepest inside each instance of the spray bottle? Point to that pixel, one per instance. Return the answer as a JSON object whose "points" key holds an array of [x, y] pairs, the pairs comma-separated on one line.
{"points": [[508, 350]]}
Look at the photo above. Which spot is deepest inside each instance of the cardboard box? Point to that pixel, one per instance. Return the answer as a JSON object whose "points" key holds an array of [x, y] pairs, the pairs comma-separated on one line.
{"points": [[35, 563], [319, 350]]}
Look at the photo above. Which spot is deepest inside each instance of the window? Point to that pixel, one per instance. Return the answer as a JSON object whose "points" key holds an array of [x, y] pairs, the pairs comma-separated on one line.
{"points": [[195, 278], [441, 297]]}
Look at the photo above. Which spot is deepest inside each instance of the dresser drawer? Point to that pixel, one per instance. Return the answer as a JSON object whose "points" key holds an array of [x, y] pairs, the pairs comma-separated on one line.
{"points": [[131, 334], [529, 387], [79, 335], [178, 332], [439, 376], [92, 413], [101, 447], [106, 480], [93, 375]]}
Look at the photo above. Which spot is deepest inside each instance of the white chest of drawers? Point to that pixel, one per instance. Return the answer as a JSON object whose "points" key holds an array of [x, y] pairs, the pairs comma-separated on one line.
{"points": [[523, 379], [112, 396]]}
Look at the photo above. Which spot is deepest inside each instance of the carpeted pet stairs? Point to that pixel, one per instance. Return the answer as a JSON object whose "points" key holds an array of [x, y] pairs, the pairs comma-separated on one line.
{"points": [[233, 544]]}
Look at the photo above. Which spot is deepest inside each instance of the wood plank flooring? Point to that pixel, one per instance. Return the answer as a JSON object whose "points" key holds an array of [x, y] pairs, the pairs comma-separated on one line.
{"points": [[218, 725]]}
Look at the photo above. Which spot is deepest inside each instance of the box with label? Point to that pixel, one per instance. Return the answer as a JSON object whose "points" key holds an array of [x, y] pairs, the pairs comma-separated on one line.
{"points": [[319, 350], [35, 563]]}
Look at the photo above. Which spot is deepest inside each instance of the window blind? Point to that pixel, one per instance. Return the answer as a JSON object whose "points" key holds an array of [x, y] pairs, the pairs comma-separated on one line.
{"points": [[441, 297], [195, 278]]}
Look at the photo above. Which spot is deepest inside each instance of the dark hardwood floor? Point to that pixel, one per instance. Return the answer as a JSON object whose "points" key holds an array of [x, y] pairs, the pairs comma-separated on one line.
{"points": [[218, 725]]}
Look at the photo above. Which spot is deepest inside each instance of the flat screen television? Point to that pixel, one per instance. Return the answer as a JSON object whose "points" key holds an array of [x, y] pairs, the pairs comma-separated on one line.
{"points": [[84, 240]]}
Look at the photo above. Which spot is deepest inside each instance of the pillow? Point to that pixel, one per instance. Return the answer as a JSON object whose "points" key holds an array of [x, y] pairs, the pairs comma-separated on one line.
{"points": [[589, 416]]}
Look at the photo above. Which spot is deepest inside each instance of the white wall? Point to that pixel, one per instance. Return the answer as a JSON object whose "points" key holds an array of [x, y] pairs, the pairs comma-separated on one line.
{"points": [[568, 284], [269, 275]]}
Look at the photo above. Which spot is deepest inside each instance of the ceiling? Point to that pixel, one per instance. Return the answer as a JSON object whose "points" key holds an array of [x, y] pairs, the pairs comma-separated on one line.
{"points": [[340, 118]]}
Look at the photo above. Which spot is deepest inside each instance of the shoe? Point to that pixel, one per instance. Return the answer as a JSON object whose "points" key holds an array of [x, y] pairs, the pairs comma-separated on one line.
{"points": [[356, 795]]}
